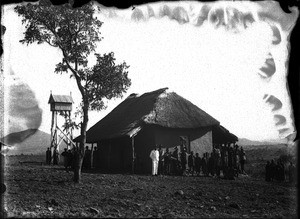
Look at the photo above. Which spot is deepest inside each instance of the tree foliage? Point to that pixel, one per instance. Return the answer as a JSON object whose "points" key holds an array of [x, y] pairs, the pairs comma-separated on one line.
{"points": [[76, 32]]}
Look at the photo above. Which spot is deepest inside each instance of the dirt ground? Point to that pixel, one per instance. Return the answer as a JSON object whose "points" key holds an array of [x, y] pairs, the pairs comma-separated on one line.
{"points": [[35, 190]]}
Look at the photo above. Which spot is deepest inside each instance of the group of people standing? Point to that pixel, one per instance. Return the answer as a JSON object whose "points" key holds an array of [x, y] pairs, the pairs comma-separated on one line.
{"points": [[68, 158], [89, 159], [54, 159], [277, 171], [229, 159]]}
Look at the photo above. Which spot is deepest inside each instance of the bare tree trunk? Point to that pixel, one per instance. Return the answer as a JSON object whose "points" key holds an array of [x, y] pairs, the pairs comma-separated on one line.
{"points": [[77, 167], [80, 152]]}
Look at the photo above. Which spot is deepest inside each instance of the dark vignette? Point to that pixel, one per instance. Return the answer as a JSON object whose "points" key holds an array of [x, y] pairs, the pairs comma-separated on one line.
{"points": [[293, 78]]}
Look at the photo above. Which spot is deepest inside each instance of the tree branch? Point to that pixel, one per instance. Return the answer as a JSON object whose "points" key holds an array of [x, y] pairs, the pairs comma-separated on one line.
{"points": [[75, 73], [78, 80], [48, 41]]}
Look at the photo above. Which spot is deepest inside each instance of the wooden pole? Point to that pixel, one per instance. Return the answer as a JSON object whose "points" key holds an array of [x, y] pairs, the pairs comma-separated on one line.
{"points": [[67, 128], [67, 136], [133, 156], [56, 147], [52, 138], [55, 130], [92, 153], [52, 125], [71, 134]]}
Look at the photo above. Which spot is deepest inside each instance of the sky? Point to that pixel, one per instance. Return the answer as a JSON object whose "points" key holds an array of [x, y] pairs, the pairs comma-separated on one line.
{"points": [[235, 72]]}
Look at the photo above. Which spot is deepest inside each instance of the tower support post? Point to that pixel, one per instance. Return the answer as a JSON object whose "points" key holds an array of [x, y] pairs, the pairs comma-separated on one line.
{"points": [[60, 104]]}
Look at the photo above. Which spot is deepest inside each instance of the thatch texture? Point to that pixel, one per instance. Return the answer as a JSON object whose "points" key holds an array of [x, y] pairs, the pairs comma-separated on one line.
{"points": [[162, 108], [221, 135]]}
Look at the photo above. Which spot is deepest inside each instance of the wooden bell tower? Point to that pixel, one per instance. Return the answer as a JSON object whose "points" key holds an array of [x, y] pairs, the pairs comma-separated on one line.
{"points": [[60, 104]]}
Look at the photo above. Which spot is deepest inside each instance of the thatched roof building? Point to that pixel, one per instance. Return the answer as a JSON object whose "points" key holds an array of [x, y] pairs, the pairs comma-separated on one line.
{"points": [[159, 108], [129, 132]]}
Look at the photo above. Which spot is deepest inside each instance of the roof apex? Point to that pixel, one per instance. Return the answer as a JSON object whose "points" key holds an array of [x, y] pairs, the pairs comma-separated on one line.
{"points": [[151, 108], [161, 90]]}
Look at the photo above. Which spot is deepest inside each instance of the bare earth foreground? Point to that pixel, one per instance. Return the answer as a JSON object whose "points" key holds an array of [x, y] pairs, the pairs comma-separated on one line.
{"points": [[43, 191]]}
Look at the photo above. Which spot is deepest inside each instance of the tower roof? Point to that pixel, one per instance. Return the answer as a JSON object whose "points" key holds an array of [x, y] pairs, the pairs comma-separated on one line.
{"points": [[60, 99]]}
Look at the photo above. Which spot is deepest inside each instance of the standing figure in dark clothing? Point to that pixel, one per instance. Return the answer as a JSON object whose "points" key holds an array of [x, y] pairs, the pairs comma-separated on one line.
{"points": [[66, 158], [98, 163], [167, 162], [217, 160], [87, 158], [175, 161], [238, 169], [211, 168], [242, 160], [191, 162], [205, 164], [95, 158], [231, 166], [48, 156], [88, 154], [197, 164], [235, 160], [234, 151], [161, 160], [222, 152], [55, 157], [74, 152], [183, 160], [267, 171], [230, 157], [70, 159], [225, 167]]}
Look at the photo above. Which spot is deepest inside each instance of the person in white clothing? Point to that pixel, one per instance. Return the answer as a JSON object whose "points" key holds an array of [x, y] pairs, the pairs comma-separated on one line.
{"points": [[154, 155]]}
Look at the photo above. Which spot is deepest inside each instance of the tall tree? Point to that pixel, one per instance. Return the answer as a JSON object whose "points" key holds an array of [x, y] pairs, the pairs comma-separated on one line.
{"points": [[76, 32]]}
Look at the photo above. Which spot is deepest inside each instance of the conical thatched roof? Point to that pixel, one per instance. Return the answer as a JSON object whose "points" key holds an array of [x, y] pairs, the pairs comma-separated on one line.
{"points": [[162, 108]]}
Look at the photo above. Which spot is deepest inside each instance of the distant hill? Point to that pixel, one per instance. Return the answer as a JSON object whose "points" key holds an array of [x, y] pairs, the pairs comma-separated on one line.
{"points": [[246, 142], [268, 152], [18, 137], [31, 141]]}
